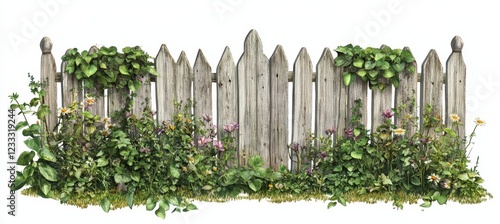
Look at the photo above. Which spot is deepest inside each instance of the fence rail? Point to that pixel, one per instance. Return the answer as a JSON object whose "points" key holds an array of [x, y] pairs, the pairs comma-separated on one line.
{"points": [[254, 92]]}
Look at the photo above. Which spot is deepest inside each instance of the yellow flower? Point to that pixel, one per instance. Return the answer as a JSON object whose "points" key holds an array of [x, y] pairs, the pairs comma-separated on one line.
{"points": [[106, 120], [208, 172], [65, 110], [191, 160], [454, 118], [270, 186], [214, 169], [185, 169], [171, 127], [479, 122], [399, 131], [90, 101]]}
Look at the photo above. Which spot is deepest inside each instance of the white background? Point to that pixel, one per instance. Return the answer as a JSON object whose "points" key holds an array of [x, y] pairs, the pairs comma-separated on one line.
{"points": [[211, 25]]}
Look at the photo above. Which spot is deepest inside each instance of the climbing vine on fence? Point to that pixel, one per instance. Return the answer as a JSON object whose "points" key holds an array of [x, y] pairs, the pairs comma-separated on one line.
{"points": [[377, 66], [106, 67]]}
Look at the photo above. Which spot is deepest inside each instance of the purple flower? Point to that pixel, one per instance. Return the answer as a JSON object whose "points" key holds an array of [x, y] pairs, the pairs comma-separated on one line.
{"points": [[309, 171], [330, 131], [349, 133], [294, 146], [218, 145], [231, 127], [323, 154], [424, 140], [202, 141], [145, 150], [207, 117], [388, 114]]}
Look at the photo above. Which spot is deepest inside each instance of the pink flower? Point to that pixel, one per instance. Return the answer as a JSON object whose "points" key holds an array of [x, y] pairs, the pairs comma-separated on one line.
{"points": [[207, 117], [231, 127], [388, 114], [202, 141], [218, 145]]}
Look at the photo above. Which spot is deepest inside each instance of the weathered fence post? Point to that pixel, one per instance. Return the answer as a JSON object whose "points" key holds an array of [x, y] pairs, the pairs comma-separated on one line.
{"points": [[165, 88], [455, 85], [431, 87], [405, 100], [48, 78]]}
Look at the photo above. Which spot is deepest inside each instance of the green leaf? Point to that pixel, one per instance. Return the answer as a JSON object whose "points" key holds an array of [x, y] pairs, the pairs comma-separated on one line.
{"points": [[255, 184], [379, 56], [190, 207], [207, 187], [33, 143], [369, 65], [358, 62], [463, 176], [388, 74], [45, 188], [150, 204], [47, 172], [399, 67], [119, 178], [441, 199], [105, 204], [160, 213], [451, 132], [47, 155], [102, 162], [415, 181], [387, 181], [25, 158], [21, 125], [342, 201], [123, 70], [347, 79], [358, 154], [383, 65], [130, 200], [19, 182], [246, 175], [361, 73], [255, 161], [175, 201], [426, 204], [174, 172], [136, 65], [332, 204]]}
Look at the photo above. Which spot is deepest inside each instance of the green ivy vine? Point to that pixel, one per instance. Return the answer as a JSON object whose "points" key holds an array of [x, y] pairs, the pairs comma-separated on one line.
{"points": [[109, 68], [377, 66]]}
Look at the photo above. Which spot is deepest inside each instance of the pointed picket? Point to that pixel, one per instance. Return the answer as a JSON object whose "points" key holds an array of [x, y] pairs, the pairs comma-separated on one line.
{"points": [[165, 89], [405, 100], [254, 100], [278, 65], [431, 87], [326, 115], [202, 86], [301, 101], [183, 79]]}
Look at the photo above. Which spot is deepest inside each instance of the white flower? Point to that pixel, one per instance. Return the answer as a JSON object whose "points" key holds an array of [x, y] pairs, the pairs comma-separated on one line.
{"points": [[433, 178]]}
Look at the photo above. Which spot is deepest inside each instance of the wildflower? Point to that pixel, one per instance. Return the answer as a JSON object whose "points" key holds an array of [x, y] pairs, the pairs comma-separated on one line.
{"points": [[207, 117], [330, 131], [323, 154], [424, 140], [171, 127], [191, 160], [105, 133], [109, 126], [184, 168], [202, 141], [454, 118], [294, 146], [218, 145], [89, 101], [208, 172], [188, 120], [214, 169], [479, 122], [309, 171], [145, 150], [279, 185], [388, 114], [349, 133], [399, 131], [106, 120], [270, 186], [65, 110], [231, 127], [446, 184], [433, 178], [213, 127]]}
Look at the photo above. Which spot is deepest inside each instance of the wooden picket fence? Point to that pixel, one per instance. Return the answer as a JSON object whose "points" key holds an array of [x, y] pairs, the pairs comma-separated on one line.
{"points": [[254, 92]]}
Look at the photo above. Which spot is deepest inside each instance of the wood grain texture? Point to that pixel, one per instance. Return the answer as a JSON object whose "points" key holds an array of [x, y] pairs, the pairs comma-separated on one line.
{"points": [[165, 90], [202, 86], [48, 78], [455, 85], [431, 86]]}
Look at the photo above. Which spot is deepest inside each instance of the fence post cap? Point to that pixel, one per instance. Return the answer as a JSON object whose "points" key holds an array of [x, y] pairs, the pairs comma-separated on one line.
{"points": [[46, 45], [457, 44]]}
